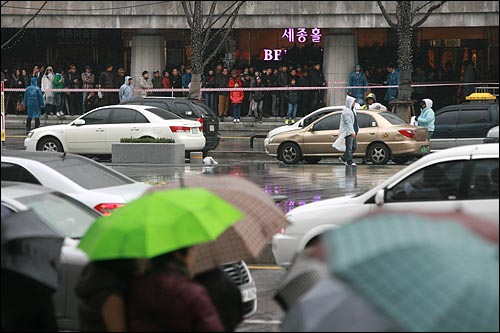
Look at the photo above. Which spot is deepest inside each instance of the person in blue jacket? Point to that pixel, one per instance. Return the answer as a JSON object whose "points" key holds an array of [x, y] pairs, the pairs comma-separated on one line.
{"points": [[186, 79], [33, 100], [392, 80], [426, 118], [357, 78]]}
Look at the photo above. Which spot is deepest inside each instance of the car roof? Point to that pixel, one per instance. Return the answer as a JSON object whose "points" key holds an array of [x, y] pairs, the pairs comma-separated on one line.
{"points": [[42, 156], [126, 106]]}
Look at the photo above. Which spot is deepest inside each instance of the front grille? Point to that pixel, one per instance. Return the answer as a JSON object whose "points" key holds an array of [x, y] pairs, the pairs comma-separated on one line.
{"points": [[248, 307], [237, 272]]}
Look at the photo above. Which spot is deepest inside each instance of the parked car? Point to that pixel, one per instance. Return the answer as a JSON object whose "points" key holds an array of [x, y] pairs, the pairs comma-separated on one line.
{"points": [[96, 131], [188, 109], [492, 136], [465, 124], [71, 219], [462, 178], [306, 121], [96, 185], [382, 136]]}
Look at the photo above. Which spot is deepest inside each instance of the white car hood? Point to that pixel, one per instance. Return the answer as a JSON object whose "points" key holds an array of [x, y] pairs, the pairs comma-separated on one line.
{"points": [[320, 205]]}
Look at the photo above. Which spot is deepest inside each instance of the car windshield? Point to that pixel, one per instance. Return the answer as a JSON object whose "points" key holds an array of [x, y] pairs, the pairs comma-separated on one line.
{"points": [[202, 108], [86, 173], [392, 118], [65, 215], [163, 114]]}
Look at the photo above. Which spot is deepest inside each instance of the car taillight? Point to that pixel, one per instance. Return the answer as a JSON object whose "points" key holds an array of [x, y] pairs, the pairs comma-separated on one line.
{"points": [[200, 120], [180, 129], [106, 208], [408, 133]]}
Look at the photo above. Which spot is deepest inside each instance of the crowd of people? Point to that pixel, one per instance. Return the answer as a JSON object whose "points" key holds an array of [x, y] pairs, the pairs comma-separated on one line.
{"points": [[255, 103]]}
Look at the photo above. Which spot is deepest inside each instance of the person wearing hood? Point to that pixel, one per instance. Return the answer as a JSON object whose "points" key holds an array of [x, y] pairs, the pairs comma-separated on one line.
{"points": [[48, 94], [348, 132], [426, 118], [60, 96], [372, 104], [357, 78], [126, 90], [392, 80], [33, 100]]}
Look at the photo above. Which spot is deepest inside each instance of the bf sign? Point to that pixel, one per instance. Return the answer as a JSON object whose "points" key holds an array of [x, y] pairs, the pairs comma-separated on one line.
{"points": [[273, 54]]}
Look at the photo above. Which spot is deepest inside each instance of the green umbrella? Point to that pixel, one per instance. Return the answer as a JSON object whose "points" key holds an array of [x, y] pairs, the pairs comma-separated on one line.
{"points": [[426, 276], [158, 223]]}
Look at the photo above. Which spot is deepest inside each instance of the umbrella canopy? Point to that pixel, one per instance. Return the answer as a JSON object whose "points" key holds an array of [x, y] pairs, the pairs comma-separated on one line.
{"points": [[424, 275], [158, 223], [245, 239], [332, 306], [30, 247]]}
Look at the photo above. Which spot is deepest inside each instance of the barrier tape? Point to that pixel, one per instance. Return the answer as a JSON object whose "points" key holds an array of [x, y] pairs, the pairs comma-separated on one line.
{"points": [[255, 88]]}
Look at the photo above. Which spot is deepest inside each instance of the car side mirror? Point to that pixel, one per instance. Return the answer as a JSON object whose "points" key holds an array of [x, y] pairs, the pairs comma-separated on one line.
{"points": [[380, 197], [79, 122]]}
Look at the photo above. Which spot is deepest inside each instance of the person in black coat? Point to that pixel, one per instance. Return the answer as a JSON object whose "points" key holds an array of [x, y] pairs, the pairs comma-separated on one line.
{"points": [[176, 82], [225, 296], [317, 79]]}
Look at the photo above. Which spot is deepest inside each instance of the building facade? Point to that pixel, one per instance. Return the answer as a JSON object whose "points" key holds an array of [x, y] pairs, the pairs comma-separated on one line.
{"points": [[147, 35]]}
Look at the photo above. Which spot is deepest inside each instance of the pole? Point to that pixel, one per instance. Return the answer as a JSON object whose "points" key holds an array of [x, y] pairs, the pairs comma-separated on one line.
{"points": [[3, 115]]}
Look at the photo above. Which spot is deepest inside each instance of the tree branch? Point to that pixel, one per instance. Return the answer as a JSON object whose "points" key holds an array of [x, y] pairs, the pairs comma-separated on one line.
{"points": [[223, 13], [421, 7], [234, 15], [386, 15], [209, 22], [188, 12], [229, 17], [24, 26], [426, 16]]}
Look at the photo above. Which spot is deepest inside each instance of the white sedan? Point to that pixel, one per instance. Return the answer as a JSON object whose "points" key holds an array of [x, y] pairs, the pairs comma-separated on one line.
{"points": [[463, 178], [93, 184], [95, 131]]}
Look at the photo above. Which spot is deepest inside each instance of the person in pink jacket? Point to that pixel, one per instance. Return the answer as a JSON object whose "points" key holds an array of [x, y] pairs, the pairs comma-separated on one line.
{"points": [[236, 100]]}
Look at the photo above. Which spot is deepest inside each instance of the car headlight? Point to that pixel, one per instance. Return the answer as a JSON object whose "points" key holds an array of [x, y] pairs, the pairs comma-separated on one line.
{"points": [[30, 134]]}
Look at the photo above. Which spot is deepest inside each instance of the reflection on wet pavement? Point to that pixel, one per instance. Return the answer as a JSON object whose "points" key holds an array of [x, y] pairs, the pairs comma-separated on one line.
{"points": [[299, 184]]}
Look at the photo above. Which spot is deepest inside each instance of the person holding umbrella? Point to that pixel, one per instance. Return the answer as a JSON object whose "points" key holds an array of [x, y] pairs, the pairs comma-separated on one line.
{"points": [[163, 226], [30, 274]]}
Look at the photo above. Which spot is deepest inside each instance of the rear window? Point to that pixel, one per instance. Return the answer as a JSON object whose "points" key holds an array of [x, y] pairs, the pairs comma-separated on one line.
{"points": [[163, 114], [392, 118], [66, 216], [88, 174]]}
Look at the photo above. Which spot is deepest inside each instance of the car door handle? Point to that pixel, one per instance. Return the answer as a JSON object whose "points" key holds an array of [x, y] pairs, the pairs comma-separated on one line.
{"points": [[334, 135], [99, 130], [372, 133], [134, 129]]}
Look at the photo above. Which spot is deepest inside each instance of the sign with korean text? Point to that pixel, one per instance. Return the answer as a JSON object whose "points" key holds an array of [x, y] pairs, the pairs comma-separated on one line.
{"points": [[300, 35]]}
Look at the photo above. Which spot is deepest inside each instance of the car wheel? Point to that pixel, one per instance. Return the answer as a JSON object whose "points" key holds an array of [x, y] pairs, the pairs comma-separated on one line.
{"points": [[290, 153], [312, 160], [400, 159], [379, 153], [50, 144]]}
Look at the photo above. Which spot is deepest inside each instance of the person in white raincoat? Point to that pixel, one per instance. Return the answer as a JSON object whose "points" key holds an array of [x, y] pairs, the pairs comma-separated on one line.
{"points": [[348, 131]]}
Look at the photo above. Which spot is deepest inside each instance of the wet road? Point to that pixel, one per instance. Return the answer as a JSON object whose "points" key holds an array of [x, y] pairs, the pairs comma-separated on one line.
{"points": [[301, 184]]}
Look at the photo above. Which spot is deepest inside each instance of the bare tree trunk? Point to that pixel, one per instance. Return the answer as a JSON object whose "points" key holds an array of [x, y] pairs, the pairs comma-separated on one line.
{"points": [[194, 88]]}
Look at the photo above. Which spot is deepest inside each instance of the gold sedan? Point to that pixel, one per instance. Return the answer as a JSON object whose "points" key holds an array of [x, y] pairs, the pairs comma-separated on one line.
{"points": [[382, 136]]}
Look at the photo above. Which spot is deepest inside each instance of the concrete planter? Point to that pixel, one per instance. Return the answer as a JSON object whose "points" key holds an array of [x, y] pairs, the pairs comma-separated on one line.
{"points": [[154, 153]]}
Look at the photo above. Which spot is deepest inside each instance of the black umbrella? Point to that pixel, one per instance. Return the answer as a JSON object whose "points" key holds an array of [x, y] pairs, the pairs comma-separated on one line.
{"points": [[30, 247]]}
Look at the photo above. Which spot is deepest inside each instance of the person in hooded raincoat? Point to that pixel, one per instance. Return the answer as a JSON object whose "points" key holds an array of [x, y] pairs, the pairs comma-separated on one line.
{"points": [[357, 78], [372, 104], [348, 132], [126, 90], [48, 95], [33, 99], [426, 118]]}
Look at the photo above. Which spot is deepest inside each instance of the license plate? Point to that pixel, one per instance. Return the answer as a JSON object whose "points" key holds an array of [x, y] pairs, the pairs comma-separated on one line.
{"points": [[249, 294], [425, 149], [211, 128], [194, 130]]}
